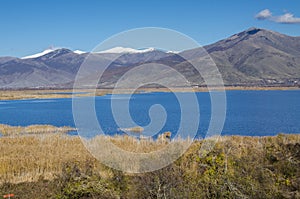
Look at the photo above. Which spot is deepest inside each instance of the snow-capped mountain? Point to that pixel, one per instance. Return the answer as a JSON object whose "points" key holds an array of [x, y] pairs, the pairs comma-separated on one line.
{"points": [[117, 50], [38, 54], [253, 57], [51, 50], [126, 50]]}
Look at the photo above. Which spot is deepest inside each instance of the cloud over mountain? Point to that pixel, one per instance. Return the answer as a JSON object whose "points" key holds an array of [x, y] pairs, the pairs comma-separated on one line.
{"points": [[264, 14], [287, 18]]}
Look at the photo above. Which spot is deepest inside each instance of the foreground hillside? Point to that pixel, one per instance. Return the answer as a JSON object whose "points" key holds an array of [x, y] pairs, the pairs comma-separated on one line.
{"points": [[58, 166]]}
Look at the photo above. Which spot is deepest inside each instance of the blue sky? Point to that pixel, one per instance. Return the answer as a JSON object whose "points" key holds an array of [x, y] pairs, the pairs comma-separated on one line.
{"points": [[32, 26]]}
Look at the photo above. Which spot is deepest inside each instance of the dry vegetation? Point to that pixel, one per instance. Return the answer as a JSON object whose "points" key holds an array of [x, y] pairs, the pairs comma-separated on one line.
{"points": [[66, 93], [30, 157], [47, 94], [135, 129], [27, 158], [31, 94], [58, 166], [7, 130], [131, 144]]}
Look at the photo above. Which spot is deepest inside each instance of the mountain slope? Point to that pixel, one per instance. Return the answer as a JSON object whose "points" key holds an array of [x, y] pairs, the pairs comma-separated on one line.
{"points": [[254, 57]]}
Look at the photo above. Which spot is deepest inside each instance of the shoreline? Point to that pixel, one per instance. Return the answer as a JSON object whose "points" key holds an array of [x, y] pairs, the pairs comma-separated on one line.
{"points": [[68, 93], [7, 130]]}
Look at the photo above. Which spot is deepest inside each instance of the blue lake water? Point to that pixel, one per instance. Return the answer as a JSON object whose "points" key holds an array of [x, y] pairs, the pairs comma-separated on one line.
{"points": [[255, 113]]}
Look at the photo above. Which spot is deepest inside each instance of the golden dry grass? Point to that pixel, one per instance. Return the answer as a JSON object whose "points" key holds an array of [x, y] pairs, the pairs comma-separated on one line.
{"points": [[64, 93], [6, 130], [131, 144], [30, 157], [27, 158], [47, 94], [136, 129]]}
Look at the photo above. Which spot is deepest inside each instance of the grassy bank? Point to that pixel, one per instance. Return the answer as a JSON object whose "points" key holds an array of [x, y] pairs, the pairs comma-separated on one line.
{"points": [[59, 166]]}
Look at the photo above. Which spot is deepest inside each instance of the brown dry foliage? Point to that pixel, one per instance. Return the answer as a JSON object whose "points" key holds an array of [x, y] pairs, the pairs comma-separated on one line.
{"points": [[7, 130], [237, 167]]}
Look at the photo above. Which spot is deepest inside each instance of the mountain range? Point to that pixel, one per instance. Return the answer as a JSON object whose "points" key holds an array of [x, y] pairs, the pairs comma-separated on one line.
{"points": [[254, 57]]}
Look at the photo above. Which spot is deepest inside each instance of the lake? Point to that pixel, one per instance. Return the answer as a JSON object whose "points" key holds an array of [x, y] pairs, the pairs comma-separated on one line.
{"points": [[254, 113]]}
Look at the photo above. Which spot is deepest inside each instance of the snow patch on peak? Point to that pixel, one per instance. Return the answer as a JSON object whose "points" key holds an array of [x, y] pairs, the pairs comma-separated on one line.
{"points": [[173, 52], [126, 50], [79, 52], [38, 54]]}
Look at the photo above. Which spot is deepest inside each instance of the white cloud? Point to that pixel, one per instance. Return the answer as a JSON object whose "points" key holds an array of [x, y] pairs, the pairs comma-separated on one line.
{"points": [[287, 18], [264, 14]]}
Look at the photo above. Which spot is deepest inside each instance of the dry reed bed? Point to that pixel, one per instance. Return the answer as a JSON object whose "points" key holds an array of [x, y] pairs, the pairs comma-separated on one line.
{"points": [[6, 130], [27, 158], [30, 157], [46, 94], [64, 93]]}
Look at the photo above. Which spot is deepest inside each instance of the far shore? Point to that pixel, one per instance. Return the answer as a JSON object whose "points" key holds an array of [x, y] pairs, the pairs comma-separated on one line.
{"points": [[68, 93]]}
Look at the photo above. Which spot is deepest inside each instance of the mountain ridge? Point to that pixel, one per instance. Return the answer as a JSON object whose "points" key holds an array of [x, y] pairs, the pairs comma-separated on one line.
{"points": [[254, 57]]}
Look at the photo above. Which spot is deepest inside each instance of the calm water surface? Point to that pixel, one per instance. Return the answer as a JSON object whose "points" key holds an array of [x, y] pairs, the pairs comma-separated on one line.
{"points": [[255, 113]]}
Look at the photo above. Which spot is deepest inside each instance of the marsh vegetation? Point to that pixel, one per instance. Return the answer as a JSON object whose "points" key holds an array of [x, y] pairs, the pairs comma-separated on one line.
{"points": [[59, 166], [7, 130]]}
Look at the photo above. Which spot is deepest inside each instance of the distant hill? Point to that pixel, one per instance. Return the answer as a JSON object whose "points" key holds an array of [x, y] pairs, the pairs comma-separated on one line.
{"points": [[254, 57]]}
